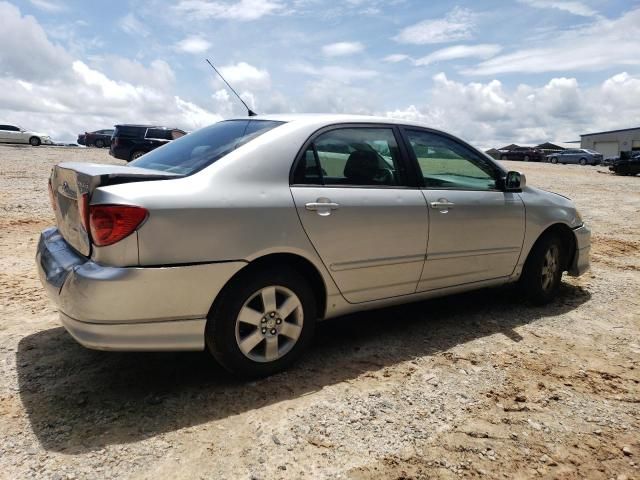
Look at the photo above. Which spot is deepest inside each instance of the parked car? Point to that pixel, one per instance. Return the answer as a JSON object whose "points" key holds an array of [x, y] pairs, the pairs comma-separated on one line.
{"points": [[99, 138], [583, 156], [237, 238], [16, 134], [132, 141], [627, 164], [526, 154]]}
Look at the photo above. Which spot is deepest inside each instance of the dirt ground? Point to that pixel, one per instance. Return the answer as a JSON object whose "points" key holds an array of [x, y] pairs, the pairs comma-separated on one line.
{"points": [[476, 385]]}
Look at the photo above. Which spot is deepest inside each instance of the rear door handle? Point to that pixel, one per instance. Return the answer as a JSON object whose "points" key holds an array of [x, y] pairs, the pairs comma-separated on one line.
{"points": [[323, 206]]}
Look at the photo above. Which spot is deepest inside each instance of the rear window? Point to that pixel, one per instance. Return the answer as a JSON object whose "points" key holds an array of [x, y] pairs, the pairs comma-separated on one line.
{"points": [[130, 131], [199, 149], [159, 133]]}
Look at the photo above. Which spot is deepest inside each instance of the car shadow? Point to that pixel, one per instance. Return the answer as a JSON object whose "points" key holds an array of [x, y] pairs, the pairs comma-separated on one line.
{"points": [[79, 400]]}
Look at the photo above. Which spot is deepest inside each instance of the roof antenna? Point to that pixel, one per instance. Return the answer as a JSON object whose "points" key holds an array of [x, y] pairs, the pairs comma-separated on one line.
{"points": [[249, 111]]}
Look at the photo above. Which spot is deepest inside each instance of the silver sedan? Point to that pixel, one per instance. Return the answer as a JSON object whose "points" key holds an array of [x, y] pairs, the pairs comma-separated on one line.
{"points": [[239, 237]]}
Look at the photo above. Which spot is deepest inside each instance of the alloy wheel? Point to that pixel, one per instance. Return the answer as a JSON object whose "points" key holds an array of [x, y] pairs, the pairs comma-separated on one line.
{"points": [[550, 266], [269, 324]]}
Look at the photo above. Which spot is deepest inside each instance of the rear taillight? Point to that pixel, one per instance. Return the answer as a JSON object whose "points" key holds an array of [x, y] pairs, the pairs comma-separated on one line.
{"points": [[111, 223], [52, 197]]}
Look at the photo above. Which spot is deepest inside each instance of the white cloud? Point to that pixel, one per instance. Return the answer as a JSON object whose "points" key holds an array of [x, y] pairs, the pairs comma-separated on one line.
{"points": [[342, 48], [396, 57], [488, 115], [458, 24], [243, 75], [484, 50], [193, 44], [53, 92], [43, 56], [602, 45], [334, 73], [243, 10], [575, 8], [47, 5], [133, 26]]}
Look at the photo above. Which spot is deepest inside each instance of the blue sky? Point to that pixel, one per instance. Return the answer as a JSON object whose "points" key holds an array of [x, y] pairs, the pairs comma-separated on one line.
{"points": [[492, 72]]}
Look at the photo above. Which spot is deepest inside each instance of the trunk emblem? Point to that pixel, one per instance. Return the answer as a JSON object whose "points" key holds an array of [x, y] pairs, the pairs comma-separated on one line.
{"points": [[67, 190]]}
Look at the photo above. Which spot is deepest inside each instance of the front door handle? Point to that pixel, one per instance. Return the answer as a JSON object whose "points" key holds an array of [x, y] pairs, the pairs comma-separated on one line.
{"points": [[323, 206], [442, 204]]}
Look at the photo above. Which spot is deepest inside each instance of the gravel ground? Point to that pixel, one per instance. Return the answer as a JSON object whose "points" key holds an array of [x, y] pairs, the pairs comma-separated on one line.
{"points": [[473, 385]]}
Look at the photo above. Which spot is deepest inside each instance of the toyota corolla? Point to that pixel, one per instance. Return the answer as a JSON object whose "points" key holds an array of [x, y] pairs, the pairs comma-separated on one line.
{"points": [[239, 237]]}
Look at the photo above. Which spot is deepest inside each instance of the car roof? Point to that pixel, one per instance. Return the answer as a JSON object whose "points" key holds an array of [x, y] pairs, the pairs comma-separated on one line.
{"points": [[142, 126], [331, 118]]}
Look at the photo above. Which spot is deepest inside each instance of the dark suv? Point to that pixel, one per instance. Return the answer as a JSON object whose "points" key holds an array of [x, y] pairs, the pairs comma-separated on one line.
{"points": [[132, 141], [526, 154]]}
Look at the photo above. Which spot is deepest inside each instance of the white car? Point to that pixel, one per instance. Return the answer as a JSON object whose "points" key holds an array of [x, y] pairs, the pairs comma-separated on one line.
{"points": [[16, 134]]}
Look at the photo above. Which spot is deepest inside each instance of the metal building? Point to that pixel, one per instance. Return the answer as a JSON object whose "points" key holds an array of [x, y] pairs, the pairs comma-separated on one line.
{"points": [[611, 143]]}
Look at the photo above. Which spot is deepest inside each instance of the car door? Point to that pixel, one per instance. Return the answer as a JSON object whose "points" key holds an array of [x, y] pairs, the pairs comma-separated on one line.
{"points": [[571, 156], [475, 229], [3, 133], [12, 134], [354, 198]]}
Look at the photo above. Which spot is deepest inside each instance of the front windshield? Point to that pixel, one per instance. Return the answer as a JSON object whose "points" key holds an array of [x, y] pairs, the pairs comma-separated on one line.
{"points": [[199, 149]]}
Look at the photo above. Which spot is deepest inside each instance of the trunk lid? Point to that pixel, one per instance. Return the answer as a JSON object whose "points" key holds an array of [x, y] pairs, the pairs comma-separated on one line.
{"points": [[73, 183]]}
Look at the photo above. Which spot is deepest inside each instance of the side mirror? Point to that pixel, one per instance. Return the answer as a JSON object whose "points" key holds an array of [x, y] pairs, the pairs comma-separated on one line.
{"points": [[514, 181]]}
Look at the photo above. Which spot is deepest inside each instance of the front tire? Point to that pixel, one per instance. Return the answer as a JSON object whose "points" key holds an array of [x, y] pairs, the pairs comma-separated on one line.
{"points": [[262, 322], [543, 270], [503, 157], [583, 161], [99, 143], [34, 142], [554, 160], [526, 158]]}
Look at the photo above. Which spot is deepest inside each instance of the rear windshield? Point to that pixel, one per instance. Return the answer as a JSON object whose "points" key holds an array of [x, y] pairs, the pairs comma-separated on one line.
{"points": [[200, 149]]}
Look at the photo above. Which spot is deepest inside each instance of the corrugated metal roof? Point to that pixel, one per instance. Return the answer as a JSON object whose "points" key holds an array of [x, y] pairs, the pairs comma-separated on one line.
{"points": [[610, 131]]}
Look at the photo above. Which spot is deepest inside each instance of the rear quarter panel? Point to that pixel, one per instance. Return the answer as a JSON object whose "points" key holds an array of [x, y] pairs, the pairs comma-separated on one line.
{"points": [[239, 208]]}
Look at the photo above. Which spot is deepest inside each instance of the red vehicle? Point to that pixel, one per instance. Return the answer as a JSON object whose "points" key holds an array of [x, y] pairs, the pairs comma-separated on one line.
{"points": [[525, 154]]}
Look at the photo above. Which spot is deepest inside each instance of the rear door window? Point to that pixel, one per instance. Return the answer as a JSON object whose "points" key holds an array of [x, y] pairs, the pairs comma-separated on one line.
{"points": [[352, 157], [130, 132], [199, 149]]}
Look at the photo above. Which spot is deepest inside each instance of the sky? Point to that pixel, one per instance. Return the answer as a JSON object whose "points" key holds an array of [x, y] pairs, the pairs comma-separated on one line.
{"points": [[491, 72]]}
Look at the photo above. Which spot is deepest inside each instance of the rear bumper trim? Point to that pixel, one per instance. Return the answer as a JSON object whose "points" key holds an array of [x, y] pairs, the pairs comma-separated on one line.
{"points": [[178, 335]]}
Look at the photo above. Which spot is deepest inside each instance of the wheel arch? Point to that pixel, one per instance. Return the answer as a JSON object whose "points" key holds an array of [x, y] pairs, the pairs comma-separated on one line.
{"points": [[566, 236], [304, 266]]}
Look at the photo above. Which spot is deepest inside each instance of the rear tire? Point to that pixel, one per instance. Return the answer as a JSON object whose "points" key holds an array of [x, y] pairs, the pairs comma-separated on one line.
{"points": [[99, 143], [543, 269], [526, 158], [251, 327], [34, 142], [503, 157], [136, 154]]}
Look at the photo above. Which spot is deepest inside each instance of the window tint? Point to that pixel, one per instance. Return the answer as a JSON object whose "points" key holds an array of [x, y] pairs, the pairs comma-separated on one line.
{"points": [[159, 133], [199, 149], [352, 156], [445, 163], [4, 127], [9, 128], [131, 132]]}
